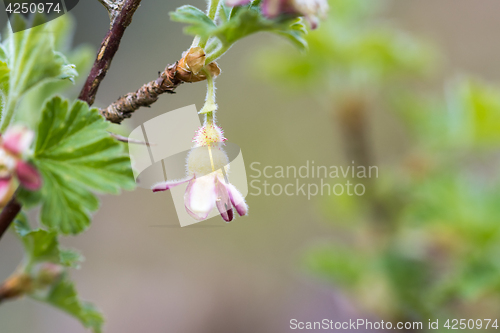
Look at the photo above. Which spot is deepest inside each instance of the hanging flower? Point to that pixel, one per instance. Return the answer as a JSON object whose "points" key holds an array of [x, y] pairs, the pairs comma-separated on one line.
{"points": [[207, 166], [13, 169], [312, 10]]}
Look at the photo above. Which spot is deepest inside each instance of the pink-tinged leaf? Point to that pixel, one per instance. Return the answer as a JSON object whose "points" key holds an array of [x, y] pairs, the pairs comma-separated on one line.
{"points": [[28, 176], [163, 186], [17, 139], [223, 201], [237, 199]]}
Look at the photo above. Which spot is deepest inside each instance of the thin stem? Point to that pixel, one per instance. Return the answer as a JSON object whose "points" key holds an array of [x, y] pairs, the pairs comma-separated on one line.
{"points": [[196, 41], [213, 8], [209, 118], [217, 54], [210, 106]]}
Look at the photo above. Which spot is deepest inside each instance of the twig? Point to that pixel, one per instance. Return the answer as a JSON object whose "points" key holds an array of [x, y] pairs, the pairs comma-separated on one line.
{"points": [[145, 96], [355, 128], [121, 17], [8, 215], [128, 140], [173, 76], [113, 8]]}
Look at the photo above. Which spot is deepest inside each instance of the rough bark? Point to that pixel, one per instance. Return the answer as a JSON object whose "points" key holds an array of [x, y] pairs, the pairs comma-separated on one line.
{"points": [[121, 16]]}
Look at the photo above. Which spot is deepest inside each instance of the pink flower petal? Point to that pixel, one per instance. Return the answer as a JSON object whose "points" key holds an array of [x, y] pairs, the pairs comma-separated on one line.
{"points": [[17, 139], [237, 199], [200, 196], [232, 3], [223, 201], [28, 176], [163, 186]]}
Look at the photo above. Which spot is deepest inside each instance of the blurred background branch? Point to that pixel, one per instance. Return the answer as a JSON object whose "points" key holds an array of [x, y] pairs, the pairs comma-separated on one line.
{"points": [[423, 239]]}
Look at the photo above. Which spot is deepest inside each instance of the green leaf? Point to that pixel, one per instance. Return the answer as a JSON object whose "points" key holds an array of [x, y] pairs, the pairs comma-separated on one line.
{"points": [[64, 296], [4, 84], [76, 157], [225, 12], [296, 34], [246, 22], [338, 264], [238, 23], [409, 278], [28, 198], [39, 245], [30, 109], [71, 258], [43, 246], [32, 59], [249, 20], [4, 75], [199, 22], [478, 109]]}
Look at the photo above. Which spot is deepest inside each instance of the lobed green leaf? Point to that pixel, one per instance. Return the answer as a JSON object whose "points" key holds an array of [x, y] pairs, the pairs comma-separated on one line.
{"points": [[199, 22], [76, 157], [65, 297], [237, 23], [42, 246]]}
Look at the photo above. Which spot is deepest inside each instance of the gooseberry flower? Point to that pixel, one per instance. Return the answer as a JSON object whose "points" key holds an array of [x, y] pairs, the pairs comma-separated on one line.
{"points": [[207, 166], [13, 168], [312, 10]]}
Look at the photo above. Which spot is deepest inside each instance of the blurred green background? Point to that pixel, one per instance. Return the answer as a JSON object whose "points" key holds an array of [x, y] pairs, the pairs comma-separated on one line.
{"points": [[432, 212]]}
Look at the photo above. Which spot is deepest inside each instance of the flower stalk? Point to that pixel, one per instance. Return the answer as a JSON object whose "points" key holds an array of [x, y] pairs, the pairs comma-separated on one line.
{"points": [[210, 105]]}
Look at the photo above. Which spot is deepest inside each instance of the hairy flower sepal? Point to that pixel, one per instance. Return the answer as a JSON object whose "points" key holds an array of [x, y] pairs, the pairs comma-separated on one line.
{"points": [[14, 169]]}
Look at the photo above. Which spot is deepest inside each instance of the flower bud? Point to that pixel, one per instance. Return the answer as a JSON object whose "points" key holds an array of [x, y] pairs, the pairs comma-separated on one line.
{"points": [[312, 10], [46, 274], [14, 144], [189, 67]]}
